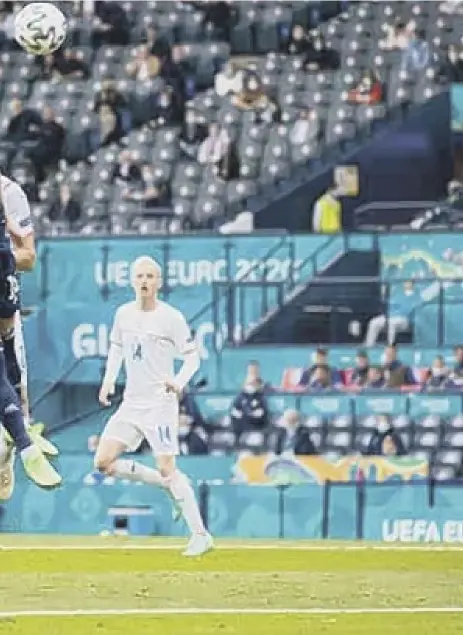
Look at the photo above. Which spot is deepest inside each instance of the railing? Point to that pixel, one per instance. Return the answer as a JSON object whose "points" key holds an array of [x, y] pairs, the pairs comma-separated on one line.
{"points": [[348, 304], [372, 215]]}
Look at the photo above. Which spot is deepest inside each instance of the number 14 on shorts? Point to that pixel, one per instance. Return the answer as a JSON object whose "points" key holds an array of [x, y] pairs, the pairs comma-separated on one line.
{"points": [[164, 433]]}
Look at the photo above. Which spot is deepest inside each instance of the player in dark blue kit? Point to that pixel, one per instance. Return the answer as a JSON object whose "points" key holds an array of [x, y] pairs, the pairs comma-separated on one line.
{"points": [[35, 464]]}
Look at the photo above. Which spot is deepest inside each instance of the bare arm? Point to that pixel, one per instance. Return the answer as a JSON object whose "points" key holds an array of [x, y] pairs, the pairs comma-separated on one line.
{"points": [[23, 250]]}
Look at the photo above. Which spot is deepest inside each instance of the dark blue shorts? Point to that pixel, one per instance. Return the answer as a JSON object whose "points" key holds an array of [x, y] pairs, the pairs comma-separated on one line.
{"points": [[9, 286]]}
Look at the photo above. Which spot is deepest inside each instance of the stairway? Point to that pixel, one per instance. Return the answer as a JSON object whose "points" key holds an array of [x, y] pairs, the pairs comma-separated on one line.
{"points": [[321, 309]]}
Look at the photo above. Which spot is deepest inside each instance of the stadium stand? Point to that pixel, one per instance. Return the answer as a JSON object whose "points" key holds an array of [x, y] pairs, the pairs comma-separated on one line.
{"points": [[152, 113]]}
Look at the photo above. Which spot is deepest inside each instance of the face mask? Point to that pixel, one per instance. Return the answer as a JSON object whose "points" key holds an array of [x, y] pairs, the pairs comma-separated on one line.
{"points": [[438, 372]]}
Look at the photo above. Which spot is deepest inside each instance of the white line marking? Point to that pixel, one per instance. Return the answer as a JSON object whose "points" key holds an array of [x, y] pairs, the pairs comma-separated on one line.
{"points": [[238, 547], [245, 611]]}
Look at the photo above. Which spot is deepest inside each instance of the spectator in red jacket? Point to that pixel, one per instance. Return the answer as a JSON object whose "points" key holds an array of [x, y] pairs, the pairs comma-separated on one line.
{"points": [[368, 91]]}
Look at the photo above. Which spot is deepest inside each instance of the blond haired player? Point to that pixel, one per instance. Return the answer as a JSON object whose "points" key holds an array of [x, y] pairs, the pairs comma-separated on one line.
{"points": [[147, 336]]}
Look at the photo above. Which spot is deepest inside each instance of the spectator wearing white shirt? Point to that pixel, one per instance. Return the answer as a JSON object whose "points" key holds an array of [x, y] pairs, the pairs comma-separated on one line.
{"points": [[306, 128], [215, 148], [229, 81]]}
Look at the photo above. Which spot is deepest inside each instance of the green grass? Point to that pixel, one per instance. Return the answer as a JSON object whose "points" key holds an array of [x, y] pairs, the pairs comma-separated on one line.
{"points": [[142, 575]]}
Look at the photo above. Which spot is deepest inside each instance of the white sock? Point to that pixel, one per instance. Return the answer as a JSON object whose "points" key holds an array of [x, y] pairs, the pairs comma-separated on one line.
{"points": [[134, 471], [31, 450], [185, 497]]}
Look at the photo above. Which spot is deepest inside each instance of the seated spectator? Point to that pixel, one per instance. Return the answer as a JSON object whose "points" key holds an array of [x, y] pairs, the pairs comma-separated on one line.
{"points": [[417, 55], [151, 193], [368, 91], [168, 111], [249, 409], [437, 377], [396, 374], [307, 128], [194, 132], [145, 66], [299, 42], [292, 437], [229, 80], [66, 207], [24, 125], [320, 379], [456, 375], [192, 438], [218, 17], [402, 302], [375, 379], [254, 377], [398, 36], [360, 373], [451, 68], [64, 63], [320, 57], [216, 150], [110, 24], [157, 44], [110, 97], [51, 136], [108, 129], [126, 171], [321, 359], [253, 97], [386, 441]]}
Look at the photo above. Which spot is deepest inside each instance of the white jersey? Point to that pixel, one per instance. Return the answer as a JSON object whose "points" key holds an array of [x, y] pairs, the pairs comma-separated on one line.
{"points": [[16, 206], [150, 341]]}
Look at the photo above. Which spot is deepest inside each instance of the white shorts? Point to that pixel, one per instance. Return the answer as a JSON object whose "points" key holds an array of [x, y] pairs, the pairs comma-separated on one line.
{"points": [[20, 348], [158, 424]]}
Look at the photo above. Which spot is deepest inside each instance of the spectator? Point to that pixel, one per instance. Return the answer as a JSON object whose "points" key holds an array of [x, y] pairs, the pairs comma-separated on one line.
{"points": [[292, 437], [25, 124], [249, 409], [320, 57], [110, 97], [192, 438], [151, 193], [327, 213], [254, 377], [307, 128], [368, 91], [417, 55], [66, 207], [437, 377], [398, 36], [321, 359], [218, 17], [451, 68], [108, 129], [126, 171], [375, 379], [320, 379], [362, 366], [194, 132], [215, 149], [49, 148], [145, 66], [64, 63], [110, 25], [158, 45], [299, 42], [168, 110], [253, 97], [386, 441], [396, 374], [402, 302], [456, 376], [229, 81]]}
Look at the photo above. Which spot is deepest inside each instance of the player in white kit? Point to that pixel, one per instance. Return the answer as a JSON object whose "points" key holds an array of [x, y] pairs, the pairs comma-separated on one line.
{"points": [[147, 336]]}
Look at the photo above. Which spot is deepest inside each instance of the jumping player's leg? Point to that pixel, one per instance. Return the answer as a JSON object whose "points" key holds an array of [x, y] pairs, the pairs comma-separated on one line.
{"points": [[35, 431], [7, 454], [35, 464]]}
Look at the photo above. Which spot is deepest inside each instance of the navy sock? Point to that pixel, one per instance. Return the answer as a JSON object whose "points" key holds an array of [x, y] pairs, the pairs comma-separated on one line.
{"points": [[10, 409]]}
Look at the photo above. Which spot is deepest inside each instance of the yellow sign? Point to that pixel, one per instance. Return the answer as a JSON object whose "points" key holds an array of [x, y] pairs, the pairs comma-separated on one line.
{"points": [[271, 470]]}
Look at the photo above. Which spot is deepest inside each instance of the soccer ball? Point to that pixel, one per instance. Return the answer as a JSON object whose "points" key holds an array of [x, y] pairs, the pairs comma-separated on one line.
{"points": [[40, 28]]}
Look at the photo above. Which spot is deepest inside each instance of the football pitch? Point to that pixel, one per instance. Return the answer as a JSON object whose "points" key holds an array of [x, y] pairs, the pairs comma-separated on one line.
{"points": [[107, 585]]}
